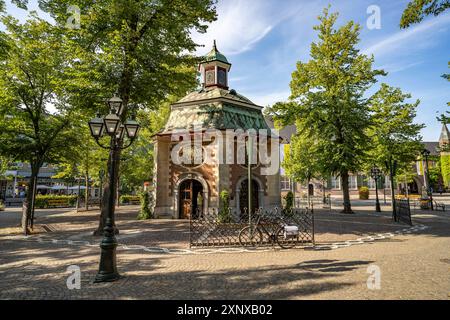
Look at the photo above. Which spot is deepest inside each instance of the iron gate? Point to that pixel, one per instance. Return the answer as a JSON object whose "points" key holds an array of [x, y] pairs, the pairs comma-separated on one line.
{"points": [[220, 230], [403, 211]]}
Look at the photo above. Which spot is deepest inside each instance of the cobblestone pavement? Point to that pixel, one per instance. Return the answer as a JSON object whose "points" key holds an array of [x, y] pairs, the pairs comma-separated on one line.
{"points": [[413, 265]]}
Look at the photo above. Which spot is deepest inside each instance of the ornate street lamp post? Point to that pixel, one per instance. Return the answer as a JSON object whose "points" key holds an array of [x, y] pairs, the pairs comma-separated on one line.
{"points": [[375, 173], [111, 126], [426, 153]]}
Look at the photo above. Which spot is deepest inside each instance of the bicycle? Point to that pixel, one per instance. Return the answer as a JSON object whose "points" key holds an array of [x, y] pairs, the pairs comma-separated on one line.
{"points": [[285, 236]]}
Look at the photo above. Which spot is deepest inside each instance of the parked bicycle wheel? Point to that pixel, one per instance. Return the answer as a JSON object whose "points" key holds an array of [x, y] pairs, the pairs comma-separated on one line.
{"points": [[286, 240], [250, 235]]}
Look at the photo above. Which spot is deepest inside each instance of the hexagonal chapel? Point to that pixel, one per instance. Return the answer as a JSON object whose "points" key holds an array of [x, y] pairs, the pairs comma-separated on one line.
{"points": [[203, 150]]}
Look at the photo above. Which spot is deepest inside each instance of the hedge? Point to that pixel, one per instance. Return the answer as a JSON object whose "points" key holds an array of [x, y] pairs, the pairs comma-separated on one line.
{"points": [[42, 201], [126, 199]]}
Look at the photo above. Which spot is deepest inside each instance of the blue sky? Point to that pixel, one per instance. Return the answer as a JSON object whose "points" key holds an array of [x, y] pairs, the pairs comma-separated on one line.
{"points": [[264, 39]]}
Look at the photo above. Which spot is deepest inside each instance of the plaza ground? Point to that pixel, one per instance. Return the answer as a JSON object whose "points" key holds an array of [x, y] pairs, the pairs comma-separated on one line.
{"points": [[155, 259]]}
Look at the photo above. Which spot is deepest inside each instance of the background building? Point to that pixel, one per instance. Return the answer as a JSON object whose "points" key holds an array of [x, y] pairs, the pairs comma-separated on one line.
{"points": [[14, 182], [332, 185]]}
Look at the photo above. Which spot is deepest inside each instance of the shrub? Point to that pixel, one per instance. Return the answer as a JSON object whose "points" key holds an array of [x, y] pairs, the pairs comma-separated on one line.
{"points": [[225, 212], [363, 193], [145, 213], [288, 203], [127, 199], [2, 206], [44, 201], [289, 197]]}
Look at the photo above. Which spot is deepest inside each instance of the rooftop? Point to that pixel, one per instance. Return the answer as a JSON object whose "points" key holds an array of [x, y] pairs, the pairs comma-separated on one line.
{"points": [[213, 93], [215, 55], [433, 147]]}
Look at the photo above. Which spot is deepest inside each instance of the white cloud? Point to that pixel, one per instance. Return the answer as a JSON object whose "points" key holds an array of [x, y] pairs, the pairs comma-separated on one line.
{"points": [[240, 25], [397, 41], [397, 67]]}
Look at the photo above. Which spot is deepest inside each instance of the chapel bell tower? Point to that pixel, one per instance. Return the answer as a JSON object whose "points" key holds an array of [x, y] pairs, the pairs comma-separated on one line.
{"points": [[214, 69]]}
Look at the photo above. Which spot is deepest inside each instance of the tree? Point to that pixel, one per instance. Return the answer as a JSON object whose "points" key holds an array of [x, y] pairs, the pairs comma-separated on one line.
{"points": [[83, 159], [302, 163], [445, 117], [417, 10], [31, 79], [327, 101], [395, 139], [137, 164], [445, 169], [406, 174], [435, 175], [4, 164], [140, 48]]}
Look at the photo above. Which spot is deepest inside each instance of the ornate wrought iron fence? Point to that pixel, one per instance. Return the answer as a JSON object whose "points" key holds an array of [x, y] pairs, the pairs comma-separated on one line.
{"points": [[215, 228], [403, 211]]}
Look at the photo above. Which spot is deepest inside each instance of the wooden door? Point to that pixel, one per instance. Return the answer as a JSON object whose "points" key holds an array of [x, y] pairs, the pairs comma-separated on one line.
{"points": [[186, 199]]}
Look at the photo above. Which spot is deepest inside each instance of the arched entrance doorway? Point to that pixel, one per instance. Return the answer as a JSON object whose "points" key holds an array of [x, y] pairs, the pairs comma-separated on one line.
{"points": [[311, 189], [413, 188], [243, 195], [190, 198]]}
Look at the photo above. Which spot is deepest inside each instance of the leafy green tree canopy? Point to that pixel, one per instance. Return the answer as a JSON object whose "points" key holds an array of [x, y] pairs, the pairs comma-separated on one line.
{"points": [[394, 134], [417, 10], [32, 78]]}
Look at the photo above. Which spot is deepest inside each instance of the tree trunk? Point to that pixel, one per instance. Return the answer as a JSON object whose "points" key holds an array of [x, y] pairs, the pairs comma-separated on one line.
{"points": [[308, 196], [118, 190], [86, 195], [324, 198], [346, 192], [394, 211], [31, 195]]}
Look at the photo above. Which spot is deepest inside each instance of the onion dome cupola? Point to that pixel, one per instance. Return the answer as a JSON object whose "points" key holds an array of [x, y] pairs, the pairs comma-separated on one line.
{"points": [[214, 69]]}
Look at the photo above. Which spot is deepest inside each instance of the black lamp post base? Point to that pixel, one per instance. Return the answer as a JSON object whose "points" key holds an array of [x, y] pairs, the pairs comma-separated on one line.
{"points": [[107, 271], [107, 277]]}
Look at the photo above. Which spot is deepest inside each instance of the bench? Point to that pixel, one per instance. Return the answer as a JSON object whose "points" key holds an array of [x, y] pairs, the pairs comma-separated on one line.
{"points": [[94, 202], [438, 205], [58, 203]]}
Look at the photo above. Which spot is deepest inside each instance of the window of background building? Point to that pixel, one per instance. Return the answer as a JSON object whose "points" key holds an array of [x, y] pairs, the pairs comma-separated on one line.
{"points": [[387, 182], [371, 183], [335, 183], [285, 183], [353, 182]]}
